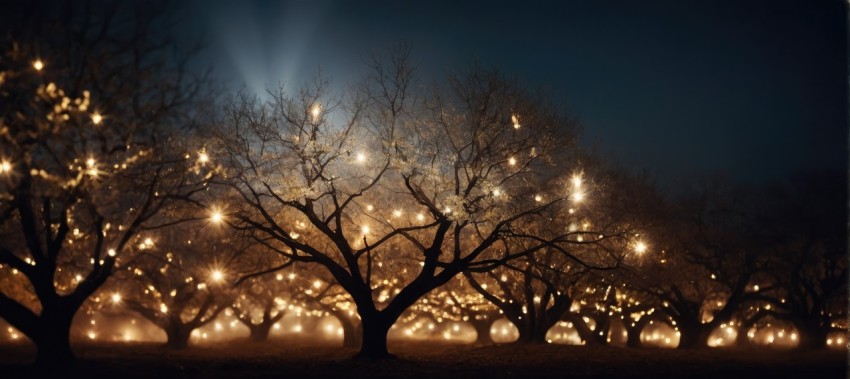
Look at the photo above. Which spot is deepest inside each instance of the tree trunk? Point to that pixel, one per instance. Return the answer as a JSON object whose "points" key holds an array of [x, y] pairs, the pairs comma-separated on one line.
{"points": [[590, 337], [53, 338], [694, 336], [538, 334], [178, 336], [633, 335], [530, 333], [374, 343], [812, 337], [482, 328], [260, 332], [351, 332], [633, 332]]}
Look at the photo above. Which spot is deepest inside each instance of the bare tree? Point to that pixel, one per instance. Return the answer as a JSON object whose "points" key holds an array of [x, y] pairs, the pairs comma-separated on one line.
{"points": [[710, 263], [805, 232], [95, 114], [182, 280], [602, 231], [260, 303], [388, 175]]}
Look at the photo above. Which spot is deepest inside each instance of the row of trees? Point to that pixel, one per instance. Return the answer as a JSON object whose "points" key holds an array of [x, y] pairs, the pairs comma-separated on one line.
{"points": [[387, 198]]}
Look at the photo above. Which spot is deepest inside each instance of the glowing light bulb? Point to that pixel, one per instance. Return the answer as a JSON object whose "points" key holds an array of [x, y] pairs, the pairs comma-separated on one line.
{"points": [[576, 181], [497, 192], [90, 162], [96, 118], [111, 252], [578, 196], [515, 121], [5, 167], [640, 247], [512, 161], [38, 64], [365, 229], [420, 217], [317, 284], [538, 198], [361, 157], [397, 213], [316, 111], [203, 157], [116, 297], [216, 216], [217, 275], [370, 207]]}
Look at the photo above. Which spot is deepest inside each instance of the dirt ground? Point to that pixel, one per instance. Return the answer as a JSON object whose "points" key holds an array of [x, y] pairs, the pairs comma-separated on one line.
{"points": [[292, 359]]}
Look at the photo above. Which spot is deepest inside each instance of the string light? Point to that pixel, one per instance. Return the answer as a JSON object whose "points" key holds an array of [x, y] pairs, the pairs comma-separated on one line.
{"points": [[578, 196], [216, 216], [38, 64], [217, 276], [316, 112], [96, 118], [203, 157]]}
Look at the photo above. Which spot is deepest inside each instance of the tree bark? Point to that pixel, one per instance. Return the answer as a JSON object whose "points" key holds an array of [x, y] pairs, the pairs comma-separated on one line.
{"points": [[351, 331], [694, 336], [260, 332], [178, 336], [374, 343], [812, 337], [482, 328], [52, 339]]}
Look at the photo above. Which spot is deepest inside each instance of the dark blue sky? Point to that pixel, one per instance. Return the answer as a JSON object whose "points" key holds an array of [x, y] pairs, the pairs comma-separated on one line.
{"points": [[753, 89]]}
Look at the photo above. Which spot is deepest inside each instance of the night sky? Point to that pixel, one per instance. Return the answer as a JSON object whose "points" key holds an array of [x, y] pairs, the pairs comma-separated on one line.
{"points": [[753, 91]]}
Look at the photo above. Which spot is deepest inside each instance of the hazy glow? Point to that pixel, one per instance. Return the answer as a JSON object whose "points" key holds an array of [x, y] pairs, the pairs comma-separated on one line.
{"points": [[576, 181], [216, 216], [217, 275], [578, 196]]}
